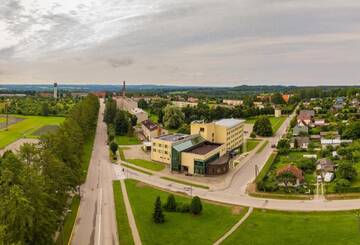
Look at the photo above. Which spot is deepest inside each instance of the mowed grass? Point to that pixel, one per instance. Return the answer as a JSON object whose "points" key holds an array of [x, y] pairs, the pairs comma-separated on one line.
{"points": [[179, 228], [70, 218], [154, 166], [276, 122], [251, 144], [26, 127], [123, 227], [283, 228], [127, 140]]}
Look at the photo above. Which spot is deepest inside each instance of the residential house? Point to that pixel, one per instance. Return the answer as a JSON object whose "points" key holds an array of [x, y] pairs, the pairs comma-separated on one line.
{"points": [[301, 142], [319, 122], [306, 116], [293, 170], [152, 130], [277, 112], [233, 102], [182, 104], [300, 130], [324, 166]]}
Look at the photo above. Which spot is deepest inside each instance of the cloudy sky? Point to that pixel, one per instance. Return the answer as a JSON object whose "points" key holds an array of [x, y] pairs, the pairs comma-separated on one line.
{"points": [[188, 42]]}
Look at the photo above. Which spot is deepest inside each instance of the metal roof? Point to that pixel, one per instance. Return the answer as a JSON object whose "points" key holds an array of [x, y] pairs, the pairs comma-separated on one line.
{"points": [[229, 122]]}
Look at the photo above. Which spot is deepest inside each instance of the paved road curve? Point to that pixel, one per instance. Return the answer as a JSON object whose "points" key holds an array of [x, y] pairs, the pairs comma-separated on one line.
{"points": [[96, 221]]}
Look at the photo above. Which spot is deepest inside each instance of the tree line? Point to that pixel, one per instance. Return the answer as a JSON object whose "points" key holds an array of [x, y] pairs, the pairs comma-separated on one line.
{"points": [[37, 182]]}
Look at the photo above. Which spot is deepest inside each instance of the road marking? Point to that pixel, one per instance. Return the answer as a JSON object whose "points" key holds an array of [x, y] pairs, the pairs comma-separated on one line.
{"points": [[99, 228]]}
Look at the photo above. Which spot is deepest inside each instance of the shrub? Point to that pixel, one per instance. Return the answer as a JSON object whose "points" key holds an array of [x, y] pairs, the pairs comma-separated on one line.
{"points": [[158, 215], [195, 206], [253, 135], [341, 185], [170, 205], [113, 147], [183, 208], [346, 171]]}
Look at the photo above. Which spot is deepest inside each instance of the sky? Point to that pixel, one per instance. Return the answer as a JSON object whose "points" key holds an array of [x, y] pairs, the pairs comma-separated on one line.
{"points": [[180, 42]]}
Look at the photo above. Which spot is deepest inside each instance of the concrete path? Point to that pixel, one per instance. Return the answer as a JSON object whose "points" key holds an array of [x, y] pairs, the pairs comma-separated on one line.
{"points": [[96, 220], [234, 228], [16, 145], [131, 218]]}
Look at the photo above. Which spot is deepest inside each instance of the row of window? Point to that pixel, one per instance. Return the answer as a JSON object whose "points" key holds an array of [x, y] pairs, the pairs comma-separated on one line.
{"points": [[160, 151]]}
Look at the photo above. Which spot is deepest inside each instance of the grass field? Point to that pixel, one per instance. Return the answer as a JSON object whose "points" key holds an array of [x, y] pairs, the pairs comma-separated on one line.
{"points": [[282, 228], [184, 182], [127, 140], [179, 228], [153, 117], [26, 128], [276, 122], [123, 227], [251, 144], [2, 119], [65, 234], [154, 166]]}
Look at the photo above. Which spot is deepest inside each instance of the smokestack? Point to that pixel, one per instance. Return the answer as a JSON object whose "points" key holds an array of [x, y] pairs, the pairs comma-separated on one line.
{"points": [[123, 90], [55, 91]]}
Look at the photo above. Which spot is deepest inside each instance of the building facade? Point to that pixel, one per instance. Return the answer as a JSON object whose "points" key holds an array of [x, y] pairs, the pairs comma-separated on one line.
{"points": [[225, 131]]}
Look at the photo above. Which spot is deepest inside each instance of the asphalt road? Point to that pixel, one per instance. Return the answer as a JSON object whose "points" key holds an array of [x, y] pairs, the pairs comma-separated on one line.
{"points": [[96, 221]]}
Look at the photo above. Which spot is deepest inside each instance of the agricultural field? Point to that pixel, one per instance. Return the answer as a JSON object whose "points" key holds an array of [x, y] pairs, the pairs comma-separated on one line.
{"points": [[179, 228], [28, 127], [283, 228]]}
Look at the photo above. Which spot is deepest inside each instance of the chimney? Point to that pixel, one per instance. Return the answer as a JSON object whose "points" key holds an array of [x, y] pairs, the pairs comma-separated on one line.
{"points": [[123, 90]]}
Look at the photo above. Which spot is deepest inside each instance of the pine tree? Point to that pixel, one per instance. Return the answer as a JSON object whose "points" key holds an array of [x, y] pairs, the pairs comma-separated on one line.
{"points": [[196, 206], [170, 204], [158, 214]]}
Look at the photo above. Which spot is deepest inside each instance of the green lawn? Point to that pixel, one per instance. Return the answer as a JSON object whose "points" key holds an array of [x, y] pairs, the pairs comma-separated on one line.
{"points": [[184, 182], [123, 227], [2, 119], [26, 127], [251, 144], [266, 167], [127, 140], [153, 117], [284, 228], [65, 234], [276, 122], [179, 228], [154, 166]]}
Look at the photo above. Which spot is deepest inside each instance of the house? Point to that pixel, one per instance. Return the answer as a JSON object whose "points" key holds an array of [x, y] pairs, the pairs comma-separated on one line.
{"points": [[140, 114], [277, 112], [324, 166], [305, 116], [182, 104], [152, 130], [337, 107], [319, 122], [300, 130], [329, 135], [315, 137], [286, 97], [293, 170], [233, 102], [355, 102], [258, 104], [193, 100], [301, 142], [228, 131], [317, 109]]}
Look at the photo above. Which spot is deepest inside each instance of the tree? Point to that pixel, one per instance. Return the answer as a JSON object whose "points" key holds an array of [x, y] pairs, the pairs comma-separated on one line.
{"points": [[121, 123], [195, 206], [142, 104], [110, 111], [113, 147], [170, 205], [341, 185], [277, 99], [158, 215], [283, 146], [262, 127], [173, 117], [45, 111], [346, 171]]}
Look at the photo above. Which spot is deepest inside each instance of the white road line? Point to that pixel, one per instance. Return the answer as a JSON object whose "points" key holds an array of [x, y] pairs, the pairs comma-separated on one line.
{"points": [[100, 213]]}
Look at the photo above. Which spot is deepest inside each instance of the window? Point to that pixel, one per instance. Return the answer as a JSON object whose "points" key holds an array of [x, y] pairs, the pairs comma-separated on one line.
{"points": [[202, 130], [165, 152], [154, 150]]}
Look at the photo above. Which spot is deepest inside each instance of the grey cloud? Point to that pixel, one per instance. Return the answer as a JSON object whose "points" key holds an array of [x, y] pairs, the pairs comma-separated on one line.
{"points": [[116, 63], [6, 53]]}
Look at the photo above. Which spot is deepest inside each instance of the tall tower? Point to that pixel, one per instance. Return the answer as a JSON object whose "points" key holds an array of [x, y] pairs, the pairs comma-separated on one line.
{"points": [[123, 90], [55, 91]]}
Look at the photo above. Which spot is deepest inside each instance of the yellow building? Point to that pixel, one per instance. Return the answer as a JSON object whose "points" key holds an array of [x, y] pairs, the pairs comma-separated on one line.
{"points": [[225, 131], [190, 154], [161, 146]]}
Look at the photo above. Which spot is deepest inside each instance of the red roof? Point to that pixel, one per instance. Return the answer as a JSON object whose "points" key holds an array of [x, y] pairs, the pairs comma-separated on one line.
{"points": [[291, 169]]}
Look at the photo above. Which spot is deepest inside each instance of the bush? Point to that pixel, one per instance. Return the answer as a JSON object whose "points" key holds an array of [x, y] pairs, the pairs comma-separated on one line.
{"points": [[113, 147], [195, 206], [183, 208], [346, 171], [158, 215], [253, 135], [170, 205], [342, 185]]}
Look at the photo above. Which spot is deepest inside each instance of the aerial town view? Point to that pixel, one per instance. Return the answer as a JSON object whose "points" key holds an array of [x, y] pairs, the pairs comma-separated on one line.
{"points": [[179, 122]]}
